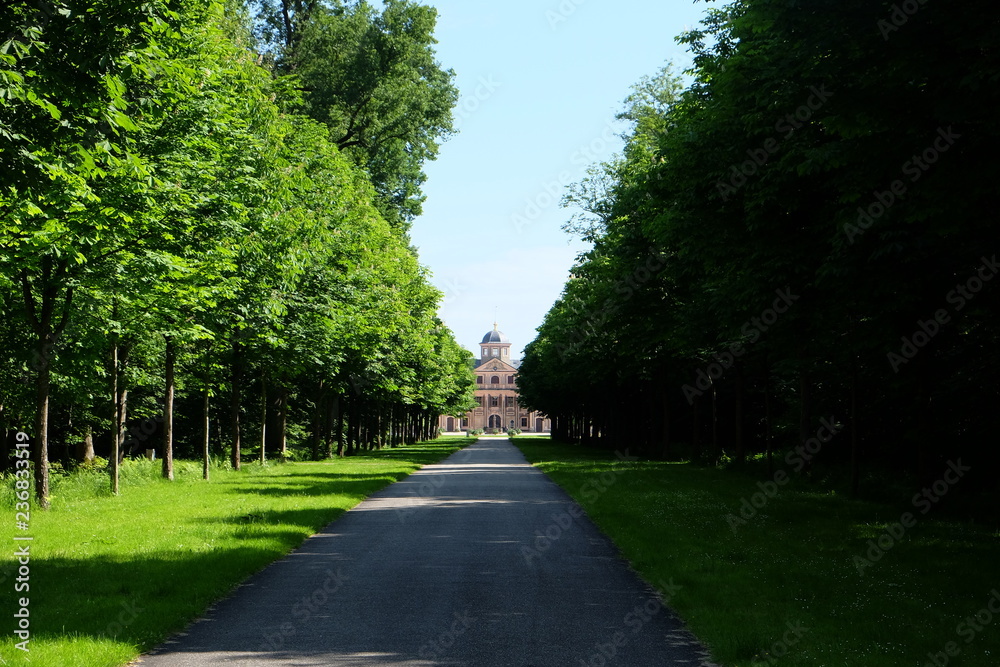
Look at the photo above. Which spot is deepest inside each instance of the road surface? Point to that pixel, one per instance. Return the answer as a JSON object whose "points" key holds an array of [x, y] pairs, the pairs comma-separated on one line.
{"points": [[478, 561]]}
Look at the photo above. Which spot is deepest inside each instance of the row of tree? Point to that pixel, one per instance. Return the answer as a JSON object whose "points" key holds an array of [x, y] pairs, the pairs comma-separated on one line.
{"points": [[804, 233], [185, 216]]}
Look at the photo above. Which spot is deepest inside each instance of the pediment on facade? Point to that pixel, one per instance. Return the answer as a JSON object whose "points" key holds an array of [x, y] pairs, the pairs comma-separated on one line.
{"points": [[495, 364]]}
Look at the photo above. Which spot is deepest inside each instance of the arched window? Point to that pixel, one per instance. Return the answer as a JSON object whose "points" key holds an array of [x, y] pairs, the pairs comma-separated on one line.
{"points": [[495, 379]]}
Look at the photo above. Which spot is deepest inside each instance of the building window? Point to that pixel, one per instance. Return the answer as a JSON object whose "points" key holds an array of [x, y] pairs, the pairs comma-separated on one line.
{"points": [[465, 422], [510, 379], [494, 401], [479, 379], [495, 352], [506, 352], [524, 422], [495, 379]]}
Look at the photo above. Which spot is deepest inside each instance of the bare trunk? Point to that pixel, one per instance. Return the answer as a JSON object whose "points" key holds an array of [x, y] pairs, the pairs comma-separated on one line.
{"points": [[86, 452], [283, 421], [263, 419], [767, 417], [205, 450], [855, 435], [234, 405], [804, 411], [740, 445], [116, 420], [42, 432], [168, 410]]}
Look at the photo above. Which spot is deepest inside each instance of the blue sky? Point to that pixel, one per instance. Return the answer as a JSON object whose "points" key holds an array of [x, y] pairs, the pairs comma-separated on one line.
{"points": [[541, 82]]}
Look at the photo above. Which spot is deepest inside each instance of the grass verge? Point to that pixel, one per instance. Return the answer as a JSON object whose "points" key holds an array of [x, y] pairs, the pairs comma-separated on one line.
{"points": [[785, 583], [111, 577]]}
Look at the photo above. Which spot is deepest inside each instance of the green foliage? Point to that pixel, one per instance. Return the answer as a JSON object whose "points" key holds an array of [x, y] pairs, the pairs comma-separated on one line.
{"points": [[373, 79], [772, 176], [160, 189]]}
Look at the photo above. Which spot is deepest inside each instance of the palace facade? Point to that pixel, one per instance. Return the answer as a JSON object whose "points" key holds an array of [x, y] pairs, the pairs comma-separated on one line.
{"points": [[496, 392]]}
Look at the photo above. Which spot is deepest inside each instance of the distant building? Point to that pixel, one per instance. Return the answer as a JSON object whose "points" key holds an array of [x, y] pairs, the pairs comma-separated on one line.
{"points": [[496, 391]]}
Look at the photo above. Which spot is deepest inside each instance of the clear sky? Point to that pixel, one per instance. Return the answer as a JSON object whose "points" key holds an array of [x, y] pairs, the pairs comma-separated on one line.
{"points": [[541, 82]]}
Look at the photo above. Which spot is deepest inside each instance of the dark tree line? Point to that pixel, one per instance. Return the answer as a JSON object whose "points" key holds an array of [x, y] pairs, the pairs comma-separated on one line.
{"points": [[805, 232]]}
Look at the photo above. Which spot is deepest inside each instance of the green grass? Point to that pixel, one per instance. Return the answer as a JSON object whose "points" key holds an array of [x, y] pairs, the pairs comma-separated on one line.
{"points": [[114, 576], [791, 563]]}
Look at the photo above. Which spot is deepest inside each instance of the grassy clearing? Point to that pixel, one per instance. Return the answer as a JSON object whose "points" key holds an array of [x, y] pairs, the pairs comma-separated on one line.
{"points": [[792, 564], [112, 577]]}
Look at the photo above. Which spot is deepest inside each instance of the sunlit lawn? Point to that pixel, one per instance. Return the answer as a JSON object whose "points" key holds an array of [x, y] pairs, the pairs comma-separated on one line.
{"points": [[111, 577]]}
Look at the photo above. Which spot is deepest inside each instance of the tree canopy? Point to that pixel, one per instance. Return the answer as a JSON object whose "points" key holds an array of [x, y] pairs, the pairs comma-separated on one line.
{"points": [[175, 227], [802, 232]]}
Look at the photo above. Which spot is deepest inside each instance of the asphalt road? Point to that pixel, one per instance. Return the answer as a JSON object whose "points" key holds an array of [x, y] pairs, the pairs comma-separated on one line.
{"points": [[480, 560]]}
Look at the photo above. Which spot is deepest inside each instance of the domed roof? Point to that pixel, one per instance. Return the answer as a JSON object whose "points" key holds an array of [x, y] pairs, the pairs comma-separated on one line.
{"points": [[495, 337]]}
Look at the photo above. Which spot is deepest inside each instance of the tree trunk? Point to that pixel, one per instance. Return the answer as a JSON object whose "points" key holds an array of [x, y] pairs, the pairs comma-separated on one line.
{"points": [[86, 453], [206, 461], [715, 425], [116, 421], [41, 317], [740, 445], [333, 418], [696, 429], [234, 404], [168, 410], [804, 411], [42, 429], [317, 423], [263, 419], [283, 421], [855, 435], [665, 423], [767, 418]]}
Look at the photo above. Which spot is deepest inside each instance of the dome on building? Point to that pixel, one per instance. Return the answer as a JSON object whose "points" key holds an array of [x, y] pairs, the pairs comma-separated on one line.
{"points": [[495, 337]]}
